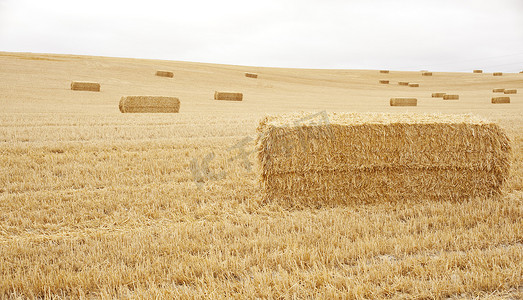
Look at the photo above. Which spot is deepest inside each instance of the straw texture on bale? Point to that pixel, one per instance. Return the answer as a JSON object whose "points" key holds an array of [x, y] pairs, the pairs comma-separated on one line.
{"points": [[232, 96], [149, 104], [451, 97], [85, 86], [403, 102], [384, 71], [496, 100], [426, 74], [498, 90], [477, 71], [251, 75], [510, 91], [360, 158], [384, 81], [414, 84], [165, 74], [498, 74], [403, 83], [438, 95]]}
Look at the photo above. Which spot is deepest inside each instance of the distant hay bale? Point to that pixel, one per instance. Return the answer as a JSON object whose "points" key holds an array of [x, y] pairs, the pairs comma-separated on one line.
{"points": [[498, 90], [366, 157], [497, 100], [477, 71], [412, 84], [85, 86], [149, 104], [251, 75], [403, 102], [165, 74], [438, 95], [403, 83], [451, 97], [498, 74], [426, 74], [384, 81], [384, 71], [510, 91], [232, 96]]}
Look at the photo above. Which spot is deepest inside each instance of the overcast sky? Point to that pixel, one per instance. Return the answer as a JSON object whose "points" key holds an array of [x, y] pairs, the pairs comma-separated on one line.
{"points": [[438, 35]]}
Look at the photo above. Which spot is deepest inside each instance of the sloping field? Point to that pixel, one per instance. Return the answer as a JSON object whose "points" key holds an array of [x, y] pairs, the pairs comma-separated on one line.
{"points": [[96, 203]]}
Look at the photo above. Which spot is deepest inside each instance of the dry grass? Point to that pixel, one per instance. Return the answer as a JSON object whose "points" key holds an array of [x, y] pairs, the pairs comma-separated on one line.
{"points": [[85, 86], [165, 74], [403, 101], [438, 95], [149, 104], [500, 100], [99, 204], [231, 96], [450, 97]]}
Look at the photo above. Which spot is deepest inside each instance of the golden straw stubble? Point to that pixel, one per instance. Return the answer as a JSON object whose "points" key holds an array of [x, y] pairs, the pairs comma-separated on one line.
{"points": [[231, 96], [497, 100], [451, 97], [85, 86], [165, 74], [149, 104], [403, 102]]}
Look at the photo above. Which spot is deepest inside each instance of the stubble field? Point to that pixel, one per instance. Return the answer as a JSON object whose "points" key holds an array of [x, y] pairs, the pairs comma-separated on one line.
{"points": [[96, 203]]}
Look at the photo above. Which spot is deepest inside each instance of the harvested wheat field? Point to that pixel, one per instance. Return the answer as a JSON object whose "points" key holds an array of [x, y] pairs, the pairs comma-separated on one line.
{"points": [[95, 203]]}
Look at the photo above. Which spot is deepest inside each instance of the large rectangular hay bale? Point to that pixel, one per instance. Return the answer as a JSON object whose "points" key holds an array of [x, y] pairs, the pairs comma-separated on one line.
{"points": [[498, 74], [403, 102], [232, 96], [373, 157], [498, 90], [149, 104], [412, 84], [384, 81], [165, 74], [510, 91], [384, 71], [497, 100], [404, 83], [477, 71], [451, 97], [426, 74], [251, 75], [85, 86], [438, 95]]}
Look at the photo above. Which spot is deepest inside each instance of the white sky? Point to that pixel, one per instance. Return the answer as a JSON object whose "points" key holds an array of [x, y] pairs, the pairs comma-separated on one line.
{"points": [[438, 35]]}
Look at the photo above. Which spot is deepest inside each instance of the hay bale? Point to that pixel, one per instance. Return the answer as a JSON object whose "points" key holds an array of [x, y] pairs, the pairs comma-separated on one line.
{"points": [[232, 96], [149, 104], [498, 74], [403, 83], [366, 157], [384, 81], [412, 84], [498, 90], [477, 71], [438, 95], [426, 74], [510, 91], [85, 86], [251, 75], [497, 100], [384, 71], [403, 102], [451, 97], [165, 74]]}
